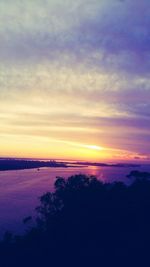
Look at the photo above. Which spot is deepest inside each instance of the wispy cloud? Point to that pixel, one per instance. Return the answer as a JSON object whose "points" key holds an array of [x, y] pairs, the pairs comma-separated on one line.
{"points": [[76, 71]]}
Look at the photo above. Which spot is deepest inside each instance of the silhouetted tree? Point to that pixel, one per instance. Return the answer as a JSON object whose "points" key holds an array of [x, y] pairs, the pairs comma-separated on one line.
{"points": [[84, 222]]}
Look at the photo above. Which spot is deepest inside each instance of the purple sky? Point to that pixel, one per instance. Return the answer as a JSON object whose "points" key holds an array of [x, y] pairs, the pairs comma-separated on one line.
{"points": [[75, 74]]}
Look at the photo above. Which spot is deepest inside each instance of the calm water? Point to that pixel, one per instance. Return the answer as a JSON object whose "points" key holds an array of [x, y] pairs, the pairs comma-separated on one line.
{"points": [[20, 190]]}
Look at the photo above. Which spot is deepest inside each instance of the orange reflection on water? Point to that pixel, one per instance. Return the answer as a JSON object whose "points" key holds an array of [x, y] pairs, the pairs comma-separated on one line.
{"points": [[96, 171]]}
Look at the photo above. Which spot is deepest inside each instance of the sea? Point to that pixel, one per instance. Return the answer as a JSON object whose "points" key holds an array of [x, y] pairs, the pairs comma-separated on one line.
{"points": [[20, 190]]}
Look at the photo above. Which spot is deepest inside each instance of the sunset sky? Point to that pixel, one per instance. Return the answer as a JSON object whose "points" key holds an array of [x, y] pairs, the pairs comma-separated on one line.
{"points": [[75, 79]]}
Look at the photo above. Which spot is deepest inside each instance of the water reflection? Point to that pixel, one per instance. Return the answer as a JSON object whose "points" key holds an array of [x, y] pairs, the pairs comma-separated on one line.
{"points": [[19, 190], [98, 172]]}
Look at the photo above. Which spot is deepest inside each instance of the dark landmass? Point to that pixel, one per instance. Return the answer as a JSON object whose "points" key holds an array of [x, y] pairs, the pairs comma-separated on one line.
{"points": [[99, 164], [85, 222], [21, 164], [18, 164]]}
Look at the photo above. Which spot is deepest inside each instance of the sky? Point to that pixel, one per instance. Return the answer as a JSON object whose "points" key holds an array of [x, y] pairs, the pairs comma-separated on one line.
{"points": [[74, 79]]}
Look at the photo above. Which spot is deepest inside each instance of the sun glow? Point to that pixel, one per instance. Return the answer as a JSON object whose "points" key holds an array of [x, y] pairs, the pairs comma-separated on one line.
{"points": [[93, 147]]}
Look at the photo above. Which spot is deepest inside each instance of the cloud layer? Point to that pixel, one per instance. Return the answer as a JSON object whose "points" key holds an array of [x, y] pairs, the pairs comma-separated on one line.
{"points": [[76, 72]]}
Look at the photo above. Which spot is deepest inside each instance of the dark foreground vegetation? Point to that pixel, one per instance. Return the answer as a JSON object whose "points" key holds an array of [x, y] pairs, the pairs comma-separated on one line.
{"points": [[86, 223], [18, 164]]}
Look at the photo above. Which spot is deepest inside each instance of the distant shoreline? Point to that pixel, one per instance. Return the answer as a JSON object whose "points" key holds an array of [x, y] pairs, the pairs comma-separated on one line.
{"points": [[121, 165], [16, 164], [19, 164]]}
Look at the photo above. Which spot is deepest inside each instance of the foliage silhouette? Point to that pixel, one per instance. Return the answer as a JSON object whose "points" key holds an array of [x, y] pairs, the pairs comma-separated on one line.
{"points": [[139, 175], [86, 223]]}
